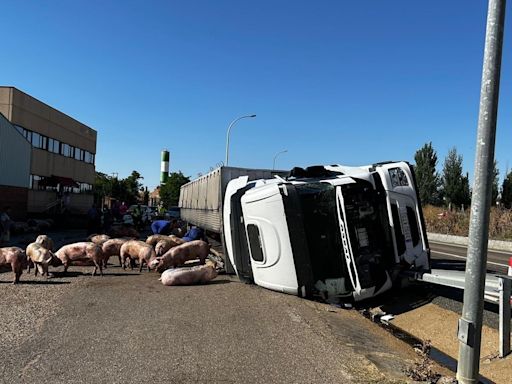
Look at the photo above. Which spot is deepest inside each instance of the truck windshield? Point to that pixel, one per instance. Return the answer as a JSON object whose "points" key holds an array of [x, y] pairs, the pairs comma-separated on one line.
{"points": [[368, 227], [369, 232], [318, 205]]}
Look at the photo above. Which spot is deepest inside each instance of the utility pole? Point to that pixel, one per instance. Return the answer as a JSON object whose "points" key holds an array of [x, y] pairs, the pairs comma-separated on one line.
{"points": [[470, 324]]}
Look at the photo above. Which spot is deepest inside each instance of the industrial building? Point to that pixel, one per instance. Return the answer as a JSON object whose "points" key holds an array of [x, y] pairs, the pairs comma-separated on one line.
{"points": [[60, 153]]}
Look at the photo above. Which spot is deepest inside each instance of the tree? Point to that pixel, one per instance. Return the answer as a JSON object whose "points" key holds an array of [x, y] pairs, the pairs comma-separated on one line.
{"points": [[455, 186], [495, 182], [126, 190], [426, 175], [170, 191], [131, 187], [506, 191], [145, 197]]}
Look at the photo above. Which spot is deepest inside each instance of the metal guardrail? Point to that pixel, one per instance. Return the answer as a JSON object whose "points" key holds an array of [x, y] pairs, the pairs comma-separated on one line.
{"points": [[498, 289]]}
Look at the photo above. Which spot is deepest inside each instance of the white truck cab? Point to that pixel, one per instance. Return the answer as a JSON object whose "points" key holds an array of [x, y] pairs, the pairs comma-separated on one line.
{"points": [[328, 231]]}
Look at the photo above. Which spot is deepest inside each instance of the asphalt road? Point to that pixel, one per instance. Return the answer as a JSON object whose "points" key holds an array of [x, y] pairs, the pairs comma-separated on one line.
{"points": [[126, 327], [497, 261]]}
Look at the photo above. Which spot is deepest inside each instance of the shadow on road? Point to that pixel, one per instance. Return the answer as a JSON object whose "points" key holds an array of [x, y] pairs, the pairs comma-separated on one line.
{"points": [[37, 282]]}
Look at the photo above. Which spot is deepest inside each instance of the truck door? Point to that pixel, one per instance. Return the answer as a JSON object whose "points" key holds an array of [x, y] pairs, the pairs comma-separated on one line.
{"points": [[267, 234]]}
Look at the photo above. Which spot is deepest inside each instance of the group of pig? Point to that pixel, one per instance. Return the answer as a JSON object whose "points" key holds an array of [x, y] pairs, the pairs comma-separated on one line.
{"points": [[165, 254]]}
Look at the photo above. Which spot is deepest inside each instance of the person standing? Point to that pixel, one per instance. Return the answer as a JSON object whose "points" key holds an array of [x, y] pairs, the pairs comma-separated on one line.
{"points": [[137, 216], [107, 219], [93, 220], [123, 208], [5, 225]]}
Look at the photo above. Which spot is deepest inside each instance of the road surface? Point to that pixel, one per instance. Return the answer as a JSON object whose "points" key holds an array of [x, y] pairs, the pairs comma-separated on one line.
{"points": [[127, 327], [497, 261]]}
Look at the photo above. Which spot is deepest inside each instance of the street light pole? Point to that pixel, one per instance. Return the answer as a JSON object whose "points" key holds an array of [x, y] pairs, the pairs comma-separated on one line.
{"points": [[226, 163], [470, 324], [275, 157]]}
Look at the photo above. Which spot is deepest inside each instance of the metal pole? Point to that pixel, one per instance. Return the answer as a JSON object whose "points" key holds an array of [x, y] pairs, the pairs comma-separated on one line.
{"points": [[275, 157], [227, 135], [470, 324]]}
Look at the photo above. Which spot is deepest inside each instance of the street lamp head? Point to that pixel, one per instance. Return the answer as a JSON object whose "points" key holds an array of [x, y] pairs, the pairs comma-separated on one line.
{"points": [[252, 116]]}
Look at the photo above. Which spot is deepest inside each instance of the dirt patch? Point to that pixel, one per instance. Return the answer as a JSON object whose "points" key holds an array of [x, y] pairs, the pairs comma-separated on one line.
{"points": [[431, 322]]}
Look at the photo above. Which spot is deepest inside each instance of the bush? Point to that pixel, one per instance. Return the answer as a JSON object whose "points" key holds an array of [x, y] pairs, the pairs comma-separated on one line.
{"points": [[456, 222]]}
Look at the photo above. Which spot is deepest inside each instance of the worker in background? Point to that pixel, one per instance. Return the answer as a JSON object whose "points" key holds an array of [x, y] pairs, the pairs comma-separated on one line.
{"points": [[194, 233], [5, 225], [161, 227], [123, 208], [137, 216]]}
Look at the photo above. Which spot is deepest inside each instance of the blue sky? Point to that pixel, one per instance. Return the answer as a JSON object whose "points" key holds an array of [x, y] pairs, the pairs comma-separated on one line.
{"points": [[330, 81]]}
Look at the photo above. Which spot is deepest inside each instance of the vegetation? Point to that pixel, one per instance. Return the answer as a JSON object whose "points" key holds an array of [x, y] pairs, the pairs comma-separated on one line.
{"points": [[447, 197], [426, 175], [456, 222], [126, 190], [506, 191], [455, 186], [170, 191]]}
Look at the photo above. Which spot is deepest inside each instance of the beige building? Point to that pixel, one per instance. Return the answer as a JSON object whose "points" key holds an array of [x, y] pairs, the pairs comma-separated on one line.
{"points": [[62, 156]]}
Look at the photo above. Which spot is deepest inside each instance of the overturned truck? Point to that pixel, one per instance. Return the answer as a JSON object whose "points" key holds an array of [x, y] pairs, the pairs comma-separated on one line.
{"points": [[334, 232]]}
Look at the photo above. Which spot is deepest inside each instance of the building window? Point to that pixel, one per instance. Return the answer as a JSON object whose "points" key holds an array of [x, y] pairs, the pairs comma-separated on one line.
{"points": [[85, 187], [53, 145], [39, 141], [89, 157], [34, 182], [65, 149]]}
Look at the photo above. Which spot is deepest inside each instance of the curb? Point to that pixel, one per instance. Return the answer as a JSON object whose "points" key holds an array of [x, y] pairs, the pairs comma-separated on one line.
{"points": [[497, 245]]}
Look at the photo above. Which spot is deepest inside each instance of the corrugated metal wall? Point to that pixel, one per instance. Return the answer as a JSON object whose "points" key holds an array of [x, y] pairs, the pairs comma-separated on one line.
{"points": [[15, 152], [201, 199]]}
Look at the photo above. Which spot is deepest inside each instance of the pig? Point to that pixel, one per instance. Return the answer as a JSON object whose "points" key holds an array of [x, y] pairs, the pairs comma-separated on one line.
{"points": [[164, 245], [45, 241], [177, 240], [16, 258], [196, 249], [188, 275], [98, 239], [154, 239], [136, 249], [41, 258], [80, 254], [112, 247]]}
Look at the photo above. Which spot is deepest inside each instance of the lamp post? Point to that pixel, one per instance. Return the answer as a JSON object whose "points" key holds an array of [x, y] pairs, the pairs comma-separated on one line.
{"points": [[275, 157], [227, 136]]}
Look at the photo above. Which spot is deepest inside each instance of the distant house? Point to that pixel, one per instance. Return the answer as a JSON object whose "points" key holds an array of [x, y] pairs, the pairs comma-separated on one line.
{"points": [[154, 197]]}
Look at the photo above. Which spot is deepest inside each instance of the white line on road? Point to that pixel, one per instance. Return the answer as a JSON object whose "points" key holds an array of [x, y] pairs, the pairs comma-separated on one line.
{"points": [[464, 257]]}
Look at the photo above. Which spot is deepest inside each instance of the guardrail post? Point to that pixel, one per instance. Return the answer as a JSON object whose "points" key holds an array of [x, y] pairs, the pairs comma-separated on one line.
{"points": [[505, 284]]}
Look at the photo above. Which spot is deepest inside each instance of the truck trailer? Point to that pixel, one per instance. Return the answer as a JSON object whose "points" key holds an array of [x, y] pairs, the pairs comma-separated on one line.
{"points": [[201, 200], [333, 232]]}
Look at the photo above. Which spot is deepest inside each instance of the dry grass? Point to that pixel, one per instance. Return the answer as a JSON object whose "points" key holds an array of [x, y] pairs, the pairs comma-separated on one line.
{"points": [[440, 220]]}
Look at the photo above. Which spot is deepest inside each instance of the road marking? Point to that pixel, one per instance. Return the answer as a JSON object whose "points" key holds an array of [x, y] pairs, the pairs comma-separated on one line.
{"points": [[464, 257], [465, 247]]}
